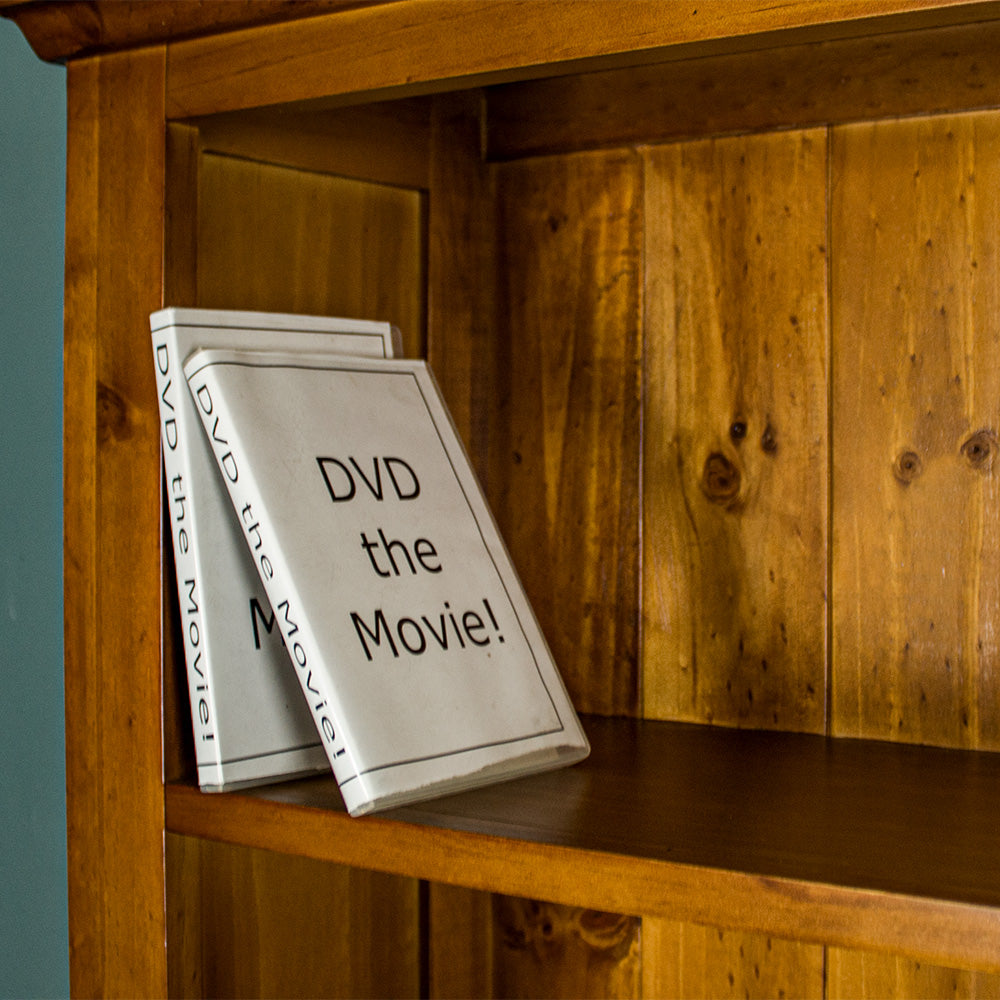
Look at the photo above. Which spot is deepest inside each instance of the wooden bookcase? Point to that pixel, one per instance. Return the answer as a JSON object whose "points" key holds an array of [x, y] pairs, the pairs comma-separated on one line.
{"points": [[713, 291]]}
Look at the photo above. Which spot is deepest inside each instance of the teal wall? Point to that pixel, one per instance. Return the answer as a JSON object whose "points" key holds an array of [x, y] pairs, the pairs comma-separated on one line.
{"points": [[33, 924]]}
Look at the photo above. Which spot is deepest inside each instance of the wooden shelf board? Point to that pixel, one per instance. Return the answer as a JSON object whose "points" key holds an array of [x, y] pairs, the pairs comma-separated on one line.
{"points": [[845, 841]]}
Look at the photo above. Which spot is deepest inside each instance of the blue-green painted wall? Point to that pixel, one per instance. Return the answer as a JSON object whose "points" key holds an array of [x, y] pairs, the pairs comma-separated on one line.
{"points": [[33, 922]]}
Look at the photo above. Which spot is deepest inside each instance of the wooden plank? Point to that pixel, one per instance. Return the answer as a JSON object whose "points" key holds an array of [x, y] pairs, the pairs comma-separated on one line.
{"points": [[416, 51], [734, 453], [859, 844], [689, 962], [111, 450], [916, 292], [461, 270], [543, 949], [249, 923], [901, 73], [867, 975], [387, 143], [565, 460], [286, 240], [180, 288], [460, 943], [60, 30], [528, 947]]}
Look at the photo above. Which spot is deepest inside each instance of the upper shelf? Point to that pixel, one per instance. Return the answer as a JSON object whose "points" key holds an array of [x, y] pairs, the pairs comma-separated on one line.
{"points": [[851, 842]]}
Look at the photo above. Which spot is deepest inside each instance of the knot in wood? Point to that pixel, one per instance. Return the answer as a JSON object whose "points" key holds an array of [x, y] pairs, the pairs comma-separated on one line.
{"points": [[720, 479], [738, 430], [769, 440], [907, 467], [113, 416], [979, 448]]}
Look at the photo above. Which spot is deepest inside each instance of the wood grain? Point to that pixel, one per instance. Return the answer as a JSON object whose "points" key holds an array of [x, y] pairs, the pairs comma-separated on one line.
{"points": [[333, 54], [916, 290], [460, 949], [249, 923], [568, 373], [543, 949], [793, 86], [734, 444], [62, 29], [383, 142], [286, 240], [688, 962], [111, 480], [462, 340], [863, 975], [856, 843]]}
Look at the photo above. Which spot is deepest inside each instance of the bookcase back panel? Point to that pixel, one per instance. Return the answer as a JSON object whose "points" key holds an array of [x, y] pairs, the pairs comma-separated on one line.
{"points": [[734, 443], [682, 960], [916, 419], [868, 975], [565, 466]]}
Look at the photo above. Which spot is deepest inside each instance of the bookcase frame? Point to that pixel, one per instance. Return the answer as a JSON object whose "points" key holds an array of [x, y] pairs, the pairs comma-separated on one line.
{"points": [[844, 838]]}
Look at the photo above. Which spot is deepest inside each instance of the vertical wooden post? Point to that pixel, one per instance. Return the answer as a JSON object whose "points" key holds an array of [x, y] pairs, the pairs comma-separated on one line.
{"points": [[114, 228]]}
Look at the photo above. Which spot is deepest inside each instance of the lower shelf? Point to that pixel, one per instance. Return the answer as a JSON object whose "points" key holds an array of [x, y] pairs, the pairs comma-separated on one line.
{"points": [[850, 842]]}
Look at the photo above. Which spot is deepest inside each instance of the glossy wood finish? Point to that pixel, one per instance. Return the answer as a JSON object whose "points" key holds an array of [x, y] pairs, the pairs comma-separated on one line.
{"points": [[568, 373], [734, 450], [689, 962], [819, 83], [853, 842], [250, 923], [916, 426], [61, 30], [333, 55], [607, 324], [114, 218], [288, 236]]}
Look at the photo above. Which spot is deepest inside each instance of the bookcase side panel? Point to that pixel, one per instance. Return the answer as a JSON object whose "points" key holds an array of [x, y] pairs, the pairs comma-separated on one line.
{"points": [[290, 240], [735, 426], [111, 476], [916, 291], [259, 236], [250, 923]]}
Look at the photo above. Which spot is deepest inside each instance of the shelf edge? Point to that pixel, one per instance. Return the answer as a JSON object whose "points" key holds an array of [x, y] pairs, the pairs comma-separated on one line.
{"points": [[946, 933]]}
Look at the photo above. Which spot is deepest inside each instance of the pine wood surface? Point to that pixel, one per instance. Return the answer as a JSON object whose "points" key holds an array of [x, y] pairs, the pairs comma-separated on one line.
{"points": [[309, 242], [820, 83], [386, 143], [916, 289], [67, 30], [794, 835], [249, 923], [689, 962], [416, 51], [857, 846], [861, 974], [734, 449], [568, 381], [462, 345], [114, 222]]}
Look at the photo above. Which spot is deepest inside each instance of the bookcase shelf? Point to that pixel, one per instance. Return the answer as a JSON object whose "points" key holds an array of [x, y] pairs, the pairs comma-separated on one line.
{"points": [[711, 291], [864, 843]]}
